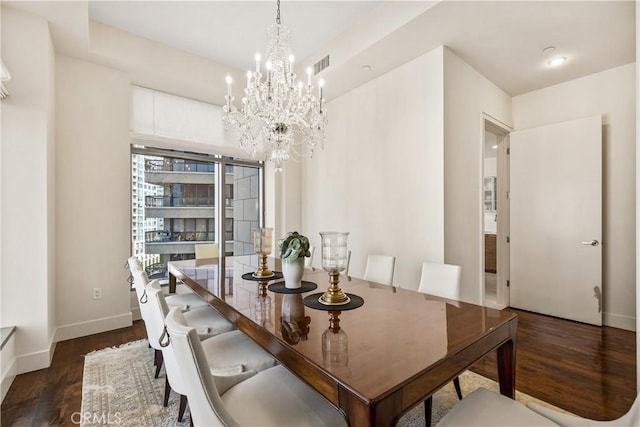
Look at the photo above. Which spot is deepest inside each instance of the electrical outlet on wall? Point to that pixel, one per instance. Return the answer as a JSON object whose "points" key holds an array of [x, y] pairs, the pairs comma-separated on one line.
{"points": [[97, 293]]}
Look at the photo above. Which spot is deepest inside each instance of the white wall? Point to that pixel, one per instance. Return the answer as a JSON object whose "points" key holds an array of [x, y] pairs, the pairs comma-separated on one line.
{"points": [[637, 195], [467, 95], [380, 175], [610, 94], [93, 182], [27, 188]]}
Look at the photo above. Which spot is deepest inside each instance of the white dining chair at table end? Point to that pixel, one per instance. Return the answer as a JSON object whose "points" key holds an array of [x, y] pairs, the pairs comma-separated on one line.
{"points": [[486, 408], [440, 280], [630, 419], [206, 250]]}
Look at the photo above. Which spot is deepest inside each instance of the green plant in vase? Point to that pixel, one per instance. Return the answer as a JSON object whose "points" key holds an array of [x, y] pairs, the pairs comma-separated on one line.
{"points": [[293, 249]]}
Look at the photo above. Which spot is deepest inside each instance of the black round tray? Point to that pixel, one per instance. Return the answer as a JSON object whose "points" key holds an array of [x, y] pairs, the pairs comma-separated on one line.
{"points": [[280, 288], [249, 276], [311, 301]]}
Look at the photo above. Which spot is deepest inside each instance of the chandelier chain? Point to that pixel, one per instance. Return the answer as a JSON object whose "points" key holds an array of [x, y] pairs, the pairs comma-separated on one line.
{"points": [[278, 13]]}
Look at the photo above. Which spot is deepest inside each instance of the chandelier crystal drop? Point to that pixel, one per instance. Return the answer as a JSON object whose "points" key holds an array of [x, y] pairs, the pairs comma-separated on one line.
{"points": [[280, 118]]}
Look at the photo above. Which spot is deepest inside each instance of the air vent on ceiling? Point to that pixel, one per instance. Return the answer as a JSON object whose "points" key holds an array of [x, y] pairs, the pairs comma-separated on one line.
{"points": [[321, 65]]}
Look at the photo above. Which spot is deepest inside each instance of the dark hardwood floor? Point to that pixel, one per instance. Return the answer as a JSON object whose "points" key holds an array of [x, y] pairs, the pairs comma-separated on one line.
{"points": [[587, 370], [51, 396], [584, 369]]}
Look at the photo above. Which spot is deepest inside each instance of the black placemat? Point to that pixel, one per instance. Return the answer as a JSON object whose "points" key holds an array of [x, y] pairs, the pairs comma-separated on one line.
{"points": [[311, 301], [280, 288], [249, 276]]}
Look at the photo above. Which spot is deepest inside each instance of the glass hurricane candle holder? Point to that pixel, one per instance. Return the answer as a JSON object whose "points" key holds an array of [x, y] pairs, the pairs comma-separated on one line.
{"points": [[334, 260], [263, 245]]}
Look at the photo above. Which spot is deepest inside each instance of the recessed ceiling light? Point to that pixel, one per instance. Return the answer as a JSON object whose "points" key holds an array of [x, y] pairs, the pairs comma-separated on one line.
{"points": [[494, 146], [557, 61], [366, 67], [548, 49]]}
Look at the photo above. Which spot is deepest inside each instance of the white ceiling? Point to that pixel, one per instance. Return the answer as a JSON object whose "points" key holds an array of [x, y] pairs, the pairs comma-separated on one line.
{"points": [[503, 40], [230, 32]]}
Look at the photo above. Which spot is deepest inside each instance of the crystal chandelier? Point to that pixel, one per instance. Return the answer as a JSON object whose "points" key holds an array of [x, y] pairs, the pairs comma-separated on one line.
{"points": [[279, 117]]}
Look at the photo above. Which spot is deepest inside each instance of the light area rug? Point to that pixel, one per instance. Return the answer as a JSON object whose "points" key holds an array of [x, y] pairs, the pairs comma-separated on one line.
{"points": [[119, 389]]}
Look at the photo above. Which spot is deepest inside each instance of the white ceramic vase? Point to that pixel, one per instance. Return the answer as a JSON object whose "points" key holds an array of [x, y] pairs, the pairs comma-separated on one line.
{"points": [[292, 273]]}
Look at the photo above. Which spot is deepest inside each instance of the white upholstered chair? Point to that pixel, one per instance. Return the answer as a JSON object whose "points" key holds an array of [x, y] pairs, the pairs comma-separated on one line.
{"points": [[186, 301], [486, 408], [380, 269], [440, 280], [227, 352], [308, 261], [273, 397], [206, 250], [630, 419]]}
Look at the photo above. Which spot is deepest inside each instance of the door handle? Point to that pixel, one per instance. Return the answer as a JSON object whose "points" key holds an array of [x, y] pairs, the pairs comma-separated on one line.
{"points": [[591, 243]]}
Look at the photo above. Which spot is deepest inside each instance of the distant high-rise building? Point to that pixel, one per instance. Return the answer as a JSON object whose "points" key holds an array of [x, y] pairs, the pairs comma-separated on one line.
{"points": [[173, 208]]}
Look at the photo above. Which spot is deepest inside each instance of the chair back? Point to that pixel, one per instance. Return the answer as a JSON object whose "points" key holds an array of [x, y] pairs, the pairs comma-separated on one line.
{"points": [[633, 414], [206, 250], [308, 261], [158, 312], [630, 419], [152, 319], [380, 269], [441, 280], [134, 264], [205, 404], [140, 280]]}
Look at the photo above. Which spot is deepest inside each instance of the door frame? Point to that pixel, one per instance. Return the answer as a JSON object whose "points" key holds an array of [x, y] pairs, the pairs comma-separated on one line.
{"points": [[501, 129]]}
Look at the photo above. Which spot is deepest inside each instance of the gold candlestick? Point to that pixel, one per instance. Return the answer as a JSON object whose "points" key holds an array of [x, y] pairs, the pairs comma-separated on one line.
{"points": [[263, 271], [334, 295], [262, 288], [262, 238], [334, 321]]}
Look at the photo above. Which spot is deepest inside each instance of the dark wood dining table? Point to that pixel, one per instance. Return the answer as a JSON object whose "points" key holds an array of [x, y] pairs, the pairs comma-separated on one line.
{"points": [[401, 346]]}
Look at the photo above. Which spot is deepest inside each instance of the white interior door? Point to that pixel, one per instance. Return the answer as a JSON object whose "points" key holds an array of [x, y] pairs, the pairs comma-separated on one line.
{"points": [[556, 220]]}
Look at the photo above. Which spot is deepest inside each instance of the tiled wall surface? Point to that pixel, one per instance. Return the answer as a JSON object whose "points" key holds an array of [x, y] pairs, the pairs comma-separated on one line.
{"points": [[246, 208]]}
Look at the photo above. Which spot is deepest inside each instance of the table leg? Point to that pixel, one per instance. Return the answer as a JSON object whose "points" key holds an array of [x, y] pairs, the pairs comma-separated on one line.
{"points": [[172, 284], [507, 363]]}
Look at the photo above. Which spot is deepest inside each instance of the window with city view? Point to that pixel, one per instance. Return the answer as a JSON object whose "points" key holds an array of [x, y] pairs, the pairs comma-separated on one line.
{"points": [[173, 207]]}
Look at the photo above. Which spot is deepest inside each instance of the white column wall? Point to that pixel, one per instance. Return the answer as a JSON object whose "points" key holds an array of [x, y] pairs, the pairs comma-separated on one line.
{"points": [[93, 180], [467, 95], [380, 175], [610, 94], [27, 275]]}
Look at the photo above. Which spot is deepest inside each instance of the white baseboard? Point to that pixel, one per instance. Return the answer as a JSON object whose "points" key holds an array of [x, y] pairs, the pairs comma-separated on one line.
{"points": [[619, 321], [8, 378], [135, 313], [91, 327], [33, 361], [8, 365]]}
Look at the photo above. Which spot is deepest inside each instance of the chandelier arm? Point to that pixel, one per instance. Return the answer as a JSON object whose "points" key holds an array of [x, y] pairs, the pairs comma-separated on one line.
{"points": [[279, 118]]}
